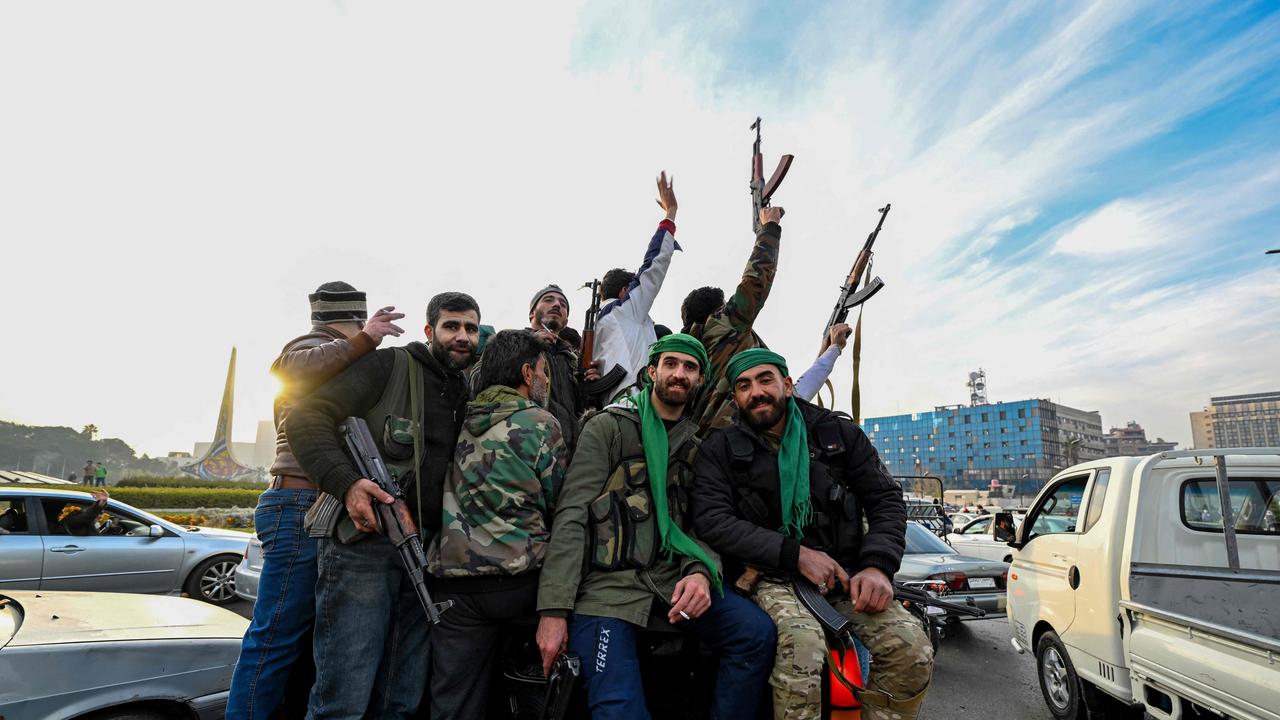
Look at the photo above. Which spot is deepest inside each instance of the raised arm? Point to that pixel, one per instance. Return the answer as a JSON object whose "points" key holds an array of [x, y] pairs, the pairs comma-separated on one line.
{"points": [[753, 290], [811, 381], [311, 364]]}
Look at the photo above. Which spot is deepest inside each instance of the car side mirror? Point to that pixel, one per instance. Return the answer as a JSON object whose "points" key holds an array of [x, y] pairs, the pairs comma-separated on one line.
{"points": [[155, 531]]}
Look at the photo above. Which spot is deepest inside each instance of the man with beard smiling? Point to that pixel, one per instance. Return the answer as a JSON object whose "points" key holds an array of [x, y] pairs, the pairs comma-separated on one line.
{"points": [[371, 650], [499, 499], [620, 549], [785, 488], [548, 315]]}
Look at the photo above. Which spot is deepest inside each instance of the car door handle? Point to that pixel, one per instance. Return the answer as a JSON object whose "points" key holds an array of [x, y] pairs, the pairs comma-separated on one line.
{"points": [[69, 549]]}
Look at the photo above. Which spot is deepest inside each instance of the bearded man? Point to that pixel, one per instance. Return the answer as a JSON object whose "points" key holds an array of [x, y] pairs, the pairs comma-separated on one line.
{"points": [[371, 650], [623, 548]]}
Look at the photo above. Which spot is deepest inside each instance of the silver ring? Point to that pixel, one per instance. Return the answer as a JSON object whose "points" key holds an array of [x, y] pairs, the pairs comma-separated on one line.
{"points": [[684, 615], [822, 587]]}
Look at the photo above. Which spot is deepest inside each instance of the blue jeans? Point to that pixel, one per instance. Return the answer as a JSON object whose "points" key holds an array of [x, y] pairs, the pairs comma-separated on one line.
{"points": [[285, 609], [370, 641], [742, 633]]}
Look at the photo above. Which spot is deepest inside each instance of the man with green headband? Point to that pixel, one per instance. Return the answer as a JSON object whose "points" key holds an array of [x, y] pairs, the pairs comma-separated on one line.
{"points": [[786, 489], [621, 549]]}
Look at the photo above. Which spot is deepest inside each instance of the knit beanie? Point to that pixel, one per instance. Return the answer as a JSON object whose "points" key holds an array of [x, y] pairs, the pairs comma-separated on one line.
{"points": [[553, 288], [335, 302]]}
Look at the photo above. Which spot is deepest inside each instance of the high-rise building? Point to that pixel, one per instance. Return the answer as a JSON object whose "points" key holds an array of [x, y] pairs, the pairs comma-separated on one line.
{"points": [[1019, 443], [1251, 420], [1131, 440]]}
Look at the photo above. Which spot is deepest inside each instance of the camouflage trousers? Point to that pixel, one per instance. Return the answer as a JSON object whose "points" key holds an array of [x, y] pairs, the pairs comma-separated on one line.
{"points": [[901, 657]]}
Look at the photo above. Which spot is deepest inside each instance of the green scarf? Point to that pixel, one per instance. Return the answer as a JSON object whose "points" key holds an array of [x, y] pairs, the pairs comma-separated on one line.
{"points": [[653, 436], [793, 451]]}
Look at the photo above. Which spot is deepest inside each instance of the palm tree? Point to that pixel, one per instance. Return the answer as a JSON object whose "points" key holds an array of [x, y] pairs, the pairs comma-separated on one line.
{"points": [[90, 431]]}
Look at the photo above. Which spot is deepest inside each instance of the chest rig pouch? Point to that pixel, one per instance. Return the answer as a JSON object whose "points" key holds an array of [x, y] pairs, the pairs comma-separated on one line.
{"points": [[622, 528], [836, 524]]}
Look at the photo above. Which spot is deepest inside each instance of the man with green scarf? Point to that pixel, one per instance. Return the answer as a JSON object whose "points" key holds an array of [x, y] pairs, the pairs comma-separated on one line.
{"points": [[621, 549], [786, 489]]}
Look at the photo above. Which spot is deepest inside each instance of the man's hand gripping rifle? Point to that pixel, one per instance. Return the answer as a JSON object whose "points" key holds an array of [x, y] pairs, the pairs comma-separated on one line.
{"points": [[761, 191], [850, 296], [393, 519], [587, 355]]}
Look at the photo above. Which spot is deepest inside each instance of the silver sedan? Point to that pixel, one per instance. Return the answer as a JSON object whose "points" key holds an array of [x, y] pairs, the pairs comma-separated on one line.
{"points": [[123, 549], [116, 656], [960, 578]]}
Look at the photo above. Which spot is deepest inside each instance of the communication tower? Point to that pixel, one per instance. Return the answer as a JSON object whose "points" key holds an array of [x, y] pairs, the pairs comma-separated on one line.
{"points": [[978, 388]]}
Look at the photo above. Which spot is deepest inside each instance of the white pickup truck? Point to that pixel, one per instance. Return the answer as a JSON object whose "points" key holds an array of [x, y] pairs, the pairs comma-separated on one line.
{"points": [[1160, 593]]}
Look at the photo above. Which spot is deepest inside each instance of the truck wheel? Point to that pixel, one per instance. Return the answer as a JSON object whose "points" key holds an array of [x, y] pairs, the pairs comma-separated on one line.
{"points": [[214, 580], [1058, 680]]}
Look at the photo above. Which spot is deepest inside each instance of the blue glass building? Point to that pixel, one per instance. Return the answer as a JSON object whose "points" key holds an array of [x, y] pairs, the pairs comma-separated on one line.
{"points": [[1015, 443]]}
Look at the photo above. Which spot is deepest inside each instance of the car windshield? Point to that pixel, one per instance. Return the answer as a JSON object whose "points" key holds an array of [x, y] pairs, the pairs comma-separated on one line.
{"points": [[920, 540]]}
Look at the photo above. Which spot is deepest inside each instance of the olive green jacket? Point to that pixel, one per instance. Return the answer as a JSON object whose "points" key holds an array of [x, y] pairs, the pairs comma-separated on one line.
{"points": [[569, 581]]}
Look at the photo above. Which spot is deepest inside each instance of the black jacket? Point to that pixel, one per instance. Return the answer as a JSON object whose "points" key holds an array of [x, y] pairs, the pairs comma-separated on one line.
{"points": [[566, 401], [737, 508], [312, 426]]}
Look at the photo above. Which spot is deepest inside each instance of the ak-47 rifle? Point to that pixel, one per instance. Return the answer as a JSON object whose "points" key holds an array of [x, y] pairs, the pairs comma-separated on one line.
{"points": [[393, 519], [587, 356], [850, 296], [761, 191]]}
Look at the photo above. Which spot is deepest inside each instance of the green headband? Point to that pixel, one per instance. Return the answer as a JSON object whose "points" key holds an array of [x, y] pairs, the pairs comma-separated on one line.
{"points": [[681, 343], [748, 359]]}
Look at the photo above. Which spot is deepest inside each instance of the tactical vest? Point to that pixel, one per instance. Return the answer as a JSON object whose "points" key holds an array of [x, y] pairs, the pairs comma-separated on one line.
{"points": [[395, 423], [836, 526], [622, 528]]}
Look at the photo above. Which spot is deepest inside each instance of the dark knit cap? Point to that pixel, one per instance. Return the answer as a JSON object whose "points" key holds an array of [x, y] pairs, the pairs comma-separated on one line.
{"points": [[335, 302], [552, 288]]}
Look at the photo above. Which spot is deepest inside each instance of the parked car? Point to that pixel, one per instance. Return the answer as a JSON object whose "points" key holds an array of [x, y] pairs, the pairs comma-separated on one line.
{"points": [[1155, 590], [968, 580], [248, 571], [115, 655], [127, 550], [988, 536]]}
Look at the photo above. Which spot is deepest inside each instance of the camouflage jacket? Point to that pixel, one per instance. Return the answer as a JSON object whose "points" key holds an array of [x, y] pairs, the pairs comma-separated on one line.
{"points": [[729, 329], [499, 495]]}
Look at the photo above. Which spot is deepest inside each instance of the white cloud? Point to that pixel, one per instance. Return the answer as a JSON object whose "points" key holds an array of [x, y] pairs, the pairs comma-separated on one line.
{"points": [[177, 178]]}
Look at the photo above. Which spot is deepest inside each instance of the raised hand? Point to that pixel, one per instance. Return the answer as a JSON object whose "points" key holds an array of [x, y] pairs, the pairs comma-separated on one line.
{"points": [[382, 325], [838, 335], [771, 215], [667, 195]]}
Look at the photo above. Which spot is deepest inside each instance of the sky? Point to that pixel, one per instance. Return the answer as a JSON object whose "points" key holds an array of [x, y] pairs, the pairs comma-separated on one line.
{"points": [[1082, 192]]}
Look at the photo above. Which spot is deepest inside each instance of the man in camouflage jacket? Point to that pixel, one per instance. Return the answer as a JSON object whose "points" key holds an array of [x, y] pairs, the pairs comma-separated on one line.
{"points": [[726, 327], [499, 498]]}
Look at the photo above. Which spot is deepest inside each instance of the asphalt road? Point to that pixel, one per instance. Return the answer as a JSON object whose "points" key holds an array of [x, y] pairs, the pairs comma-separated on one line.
{"points": [[977, 674]]}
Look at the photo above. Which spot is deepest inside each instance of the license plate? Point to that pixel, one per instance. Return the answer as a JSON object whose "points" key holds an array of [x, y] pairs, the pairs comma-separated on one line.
{"points": [[982, 583]]}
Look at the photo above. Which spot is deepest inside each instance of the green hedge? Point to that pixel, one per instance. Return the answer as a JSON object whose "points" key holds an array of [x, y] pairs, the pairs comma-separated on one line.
{"points": [[138, 481], [186, 498]]}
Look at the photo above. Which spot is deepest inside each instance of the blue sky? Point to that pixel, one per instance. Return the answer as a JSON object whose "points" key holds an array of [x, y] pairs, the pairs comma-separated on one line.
{"points": [[1082, 192]]}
